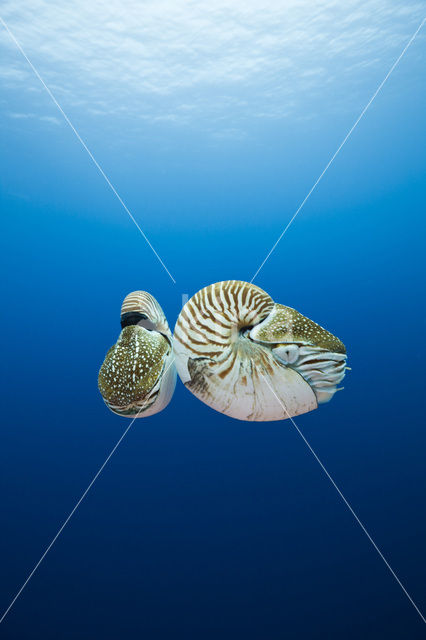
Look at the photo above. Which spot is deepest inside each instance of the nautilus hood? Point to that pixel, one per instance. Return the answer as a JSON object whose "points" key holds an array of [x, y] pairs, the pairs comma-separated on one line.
{"points": [[303, 345]]}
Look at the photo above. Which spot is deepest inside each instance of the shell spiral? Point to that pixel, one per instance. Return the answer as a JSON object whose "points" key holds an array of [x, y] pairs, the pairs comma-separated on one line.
{"points": [[138, 377], [253, 359]]}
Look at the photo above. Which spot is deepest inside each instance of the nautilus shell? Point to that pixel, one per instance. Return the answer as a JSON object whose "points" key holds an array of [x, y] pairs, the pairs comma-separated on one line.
{"points": [[138, 377], [253, 359]]}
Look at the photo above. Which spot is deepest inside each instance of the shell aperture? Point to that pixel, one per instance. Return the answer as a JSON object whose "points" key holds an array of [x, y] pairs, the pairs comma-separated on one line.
{"points": [[235, 348], [138, 377]]}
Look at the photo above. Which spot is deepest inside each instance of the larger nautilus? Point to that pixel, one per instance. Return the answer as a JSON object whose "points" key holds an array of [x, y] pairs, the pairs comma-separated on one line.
{"points": [[138, 377], [253, 359]]}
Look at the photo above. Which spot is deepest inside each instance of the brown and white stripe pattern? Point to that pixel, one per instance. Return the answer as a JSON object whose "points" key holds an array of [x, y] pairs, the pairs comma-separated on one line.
{"points": [[211, 320], [143, 302], [225, 366]]}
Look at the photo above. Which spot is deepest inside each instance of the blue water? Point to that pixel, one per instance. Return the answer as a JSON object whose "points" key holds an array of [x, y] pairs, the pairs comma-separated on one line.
{"points": [[201, 526]]}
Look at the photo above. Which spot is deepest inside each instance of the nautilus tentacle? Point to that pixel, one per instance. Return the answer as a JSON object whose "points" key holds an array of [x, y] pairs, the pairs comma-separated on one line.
{"points": [[138, 377], [253, 359]]}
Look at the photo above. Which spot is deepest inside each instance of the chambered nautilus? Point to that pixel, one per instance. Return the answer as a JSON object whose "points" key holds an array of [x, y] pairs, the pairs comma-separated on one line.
{"points": [[138, 377], [253, 359], [234, 348]]}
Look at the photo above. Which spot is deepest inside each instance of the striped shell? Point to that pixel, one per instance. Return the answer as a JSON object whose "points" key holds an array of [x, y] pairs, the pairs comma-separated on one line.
{"points": [[253, 359], [138, 377]]}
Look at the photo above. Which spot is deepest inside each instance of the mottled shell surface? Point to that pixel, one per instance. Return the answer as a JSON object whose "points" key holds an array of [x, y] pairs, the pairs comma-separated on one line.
{"points": [[253, 359], [138, 377]]}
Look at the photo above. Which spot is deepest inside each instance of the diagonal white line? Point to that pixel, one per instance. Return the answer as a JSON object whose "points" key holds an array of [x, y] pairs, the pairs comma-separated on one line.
{"points": [[318, 180], [70, 515], [95, 162], [68, 518], [348, 505]]}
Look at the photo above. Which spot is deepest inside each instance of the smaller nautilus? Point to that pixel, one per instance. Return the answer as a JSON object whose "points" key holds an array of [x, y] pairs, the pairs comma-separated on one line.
{"points": [[138, 377], [253, 359]]}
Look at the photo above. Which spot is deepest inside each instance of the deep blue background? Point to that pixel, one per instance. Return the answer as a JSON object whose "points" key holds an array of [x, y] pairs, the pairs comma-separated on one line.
{"points": [[201, 526]]}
